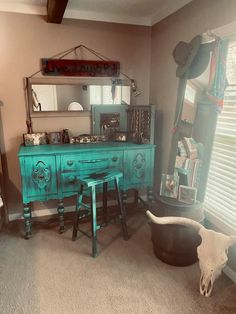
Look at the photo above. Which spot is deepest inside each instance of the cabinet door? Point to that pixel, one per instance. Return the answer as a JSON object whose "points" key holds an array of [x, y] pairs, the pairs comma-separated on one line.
{"points": [[39, 178], [138, 168]]}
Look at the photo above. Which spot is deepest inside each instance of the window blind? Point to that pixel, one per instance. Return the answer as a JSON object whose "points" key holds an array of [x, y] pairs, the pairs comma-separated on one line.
{"points": [[220, 198]]}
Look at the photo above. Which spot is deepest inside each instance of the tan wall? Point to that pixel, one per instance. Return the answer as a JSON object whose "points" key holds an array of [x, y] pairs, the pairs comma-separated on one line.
{"points": [[195, 18], [27, 38]]}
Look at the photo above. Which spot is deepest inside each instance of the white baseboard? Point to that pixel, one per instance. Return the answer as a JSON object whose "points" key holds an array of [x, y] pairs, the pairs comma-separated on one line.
{"points": [[53, 211], [40, 213], [230, 273]]}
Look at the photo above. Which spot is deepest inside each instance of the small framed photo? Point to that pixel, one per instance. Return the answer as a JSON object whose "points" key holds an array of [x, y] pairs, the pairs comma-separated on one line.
{"points": [[109, 123], [33, 139], [120, 136], [187, 194], [54, 138], [169, 185]]}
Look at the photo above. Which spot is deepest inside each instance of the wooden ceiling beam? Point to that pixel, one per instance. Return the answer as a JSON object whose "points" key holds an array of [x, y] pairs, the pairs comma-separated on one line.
{"points": [[56, 10]]}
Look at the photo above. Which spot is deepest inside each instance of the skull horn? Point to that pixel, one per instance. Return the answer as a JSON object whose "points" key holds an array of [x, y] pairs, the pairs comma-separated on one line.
{"points": [[174, 220]]}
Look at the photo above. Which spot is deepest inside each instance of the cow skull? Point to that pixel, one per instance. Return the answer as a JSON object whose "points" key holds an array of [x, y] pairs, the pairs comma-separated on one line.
{"points": [[212, 252]]}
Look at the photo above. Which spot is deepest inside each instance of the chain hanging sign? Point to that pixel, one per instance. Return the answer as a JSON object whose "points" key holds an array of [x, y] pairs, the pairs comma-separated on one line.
{"points": [[68, 67]]}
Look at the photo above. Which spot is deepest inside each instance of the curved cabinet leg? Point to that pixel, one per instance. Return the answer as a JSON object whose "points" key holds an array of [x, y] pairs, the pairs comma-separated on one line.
{"points": [[27, 217], [60, 210]]}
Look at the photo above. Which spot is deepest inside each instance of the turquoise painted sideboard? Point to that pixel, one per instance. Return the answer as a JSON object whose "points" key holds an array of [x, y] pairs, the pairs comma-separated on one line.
{"points": [[51, 171]]}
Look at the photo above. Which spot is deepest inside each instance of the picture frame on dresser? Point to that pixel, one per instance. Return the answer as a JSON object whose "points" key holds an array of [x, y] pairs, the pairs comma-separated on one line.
{"points": [[187, 194], [34, 139], [138, 121], [169, 185], [101, 112]]}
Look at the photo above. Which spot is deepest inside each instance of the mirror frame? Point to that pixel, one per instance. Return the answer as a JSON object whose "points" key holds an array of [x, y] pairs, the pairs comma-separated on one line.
{"points": [[65, 81]]}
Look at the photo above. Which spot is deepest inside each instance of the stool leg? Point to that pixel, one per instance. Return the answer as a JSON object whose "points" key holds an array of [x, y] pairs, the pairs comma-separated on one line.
{"points": [[136, 197], [105, 202], [60, 210], [94, 221], [77, 211], [150, 195], [122, 211]]}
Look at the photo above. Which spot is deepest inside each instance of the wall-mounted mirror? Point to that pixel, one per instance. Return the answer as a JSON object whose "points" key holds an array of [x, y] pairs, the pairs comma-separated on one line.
{"points": [[67, 95]]}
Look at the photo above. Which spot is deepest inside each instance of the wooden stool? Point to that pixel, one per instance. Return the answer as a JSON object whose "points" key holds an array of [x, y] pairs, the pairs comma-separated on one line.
{"points": [[91, 181]]}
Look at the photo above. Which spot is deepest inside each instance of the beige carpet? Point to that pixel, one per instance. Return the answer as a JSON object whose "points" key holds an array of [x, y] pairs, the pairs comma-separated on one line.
{"points": [[51, 274]]}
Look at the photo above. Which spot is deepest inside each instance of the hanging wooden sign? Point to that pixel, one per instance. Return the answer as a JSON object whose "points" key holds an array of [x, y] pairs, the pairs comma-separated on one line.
{"points": [[68, 67]]}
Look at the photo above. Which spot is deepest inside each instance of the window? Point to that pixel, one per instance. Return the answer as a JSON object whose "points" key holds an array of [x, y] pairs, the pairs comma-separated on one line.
{"points": [[188, 112], [220, 199], [190, 94], [102, 94]]}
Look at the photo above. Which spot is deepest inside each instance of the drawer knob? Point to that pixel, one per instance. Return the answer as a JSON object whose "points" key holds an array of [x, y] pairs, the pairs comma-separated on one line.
{"points": [[114, 159], [70, 162]]}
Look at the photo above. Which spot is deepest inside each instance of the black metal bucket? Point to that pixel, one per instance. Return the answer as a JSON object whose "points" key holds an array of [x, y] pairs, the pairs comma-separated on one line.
{"points": [[175, 244]]}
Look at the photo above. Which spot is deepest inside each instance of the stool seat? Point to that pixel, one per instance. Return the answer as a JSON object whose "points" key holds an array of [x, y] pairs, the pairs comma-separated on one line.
{"points": [[91, 181], [94, 179]]}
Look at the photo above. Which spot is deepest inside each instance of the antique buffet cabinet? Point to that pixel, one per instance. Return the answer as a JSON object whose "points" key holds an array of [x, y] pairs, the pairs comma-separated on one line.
{"points": [[51, 171]]}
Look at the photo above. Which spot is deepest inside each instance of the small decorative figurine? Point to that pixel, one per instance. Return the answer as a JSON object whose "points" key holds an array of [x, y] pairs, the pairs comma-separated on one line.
{"points": [[65, 136]]}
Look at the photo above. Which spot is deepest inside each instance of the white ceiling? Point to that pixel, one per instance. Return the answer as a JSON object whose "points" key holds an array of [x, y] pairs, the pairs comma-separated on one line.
{"points": [[138, 12]]}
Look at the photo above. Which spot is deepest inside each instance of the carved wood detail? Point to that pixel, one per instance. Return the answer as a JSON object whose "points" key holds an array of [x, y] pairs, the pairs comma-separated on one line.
{"points": [[41, 175], [138, 165]]}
